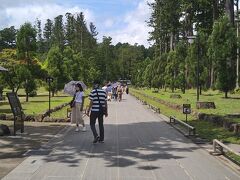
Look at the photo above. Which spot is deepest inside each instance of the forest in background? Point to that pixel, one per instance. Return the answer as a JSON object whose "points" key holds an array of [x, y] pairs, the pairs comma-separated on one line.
{"points": [[214, 24], [66, 48]]}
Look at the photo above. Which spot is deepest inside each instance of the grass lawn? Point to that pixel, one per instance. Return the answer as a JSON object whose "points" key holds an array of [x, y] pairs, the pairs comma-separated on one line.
{"points": [[233, 156], [223, 106], [37, 104], [204, 129]]}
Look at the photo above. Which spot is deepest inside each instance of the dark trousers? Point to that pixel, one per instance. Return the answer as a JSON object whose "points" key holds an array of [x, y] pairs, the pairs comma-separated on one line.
{"points": [[93, 117]]}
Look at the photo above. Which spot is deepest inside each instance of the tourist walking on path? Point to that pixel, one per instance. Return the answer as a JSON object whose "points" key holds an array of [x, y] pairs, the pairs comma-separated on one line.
{"points": [[127, 89], [114, 92], [98, 108], [77, 107], [120, 92]]}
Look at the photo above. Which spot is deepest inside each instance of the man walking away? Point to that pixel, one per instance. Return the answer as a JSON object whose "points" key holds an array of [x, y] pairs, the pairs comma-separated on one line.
{"points": [[98, 108], [127, 89]]}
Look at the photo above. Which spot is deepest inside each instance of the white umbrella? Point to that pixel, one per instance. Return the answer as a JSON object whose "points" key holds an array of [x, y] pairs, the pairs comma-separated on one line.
{"points": [[115, 84], [69, 88], [104, 88]]}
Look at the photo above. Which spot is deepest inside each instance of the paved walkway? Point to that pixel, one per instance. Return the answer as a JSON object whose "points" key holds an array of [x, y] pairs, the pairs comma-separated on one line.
{"points": [[138, 146]]}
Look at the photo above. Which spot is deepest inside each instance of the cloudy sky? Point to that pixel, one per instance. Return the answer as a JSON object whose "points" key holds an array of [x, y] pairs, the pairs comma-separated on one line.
{"points": [[123, 20]]}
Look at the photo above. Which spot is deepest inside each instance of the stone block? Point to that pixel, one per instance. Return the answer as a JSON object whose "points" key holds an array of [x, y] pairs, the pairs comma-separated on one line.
{"points": [[206, 105], [30, 118], [175, 96]]}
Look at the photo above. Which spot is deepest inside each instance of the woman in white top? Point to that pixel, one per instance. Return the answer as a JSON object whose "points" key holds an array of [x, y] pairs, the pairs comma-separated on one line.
{"points": [[77, 106]]}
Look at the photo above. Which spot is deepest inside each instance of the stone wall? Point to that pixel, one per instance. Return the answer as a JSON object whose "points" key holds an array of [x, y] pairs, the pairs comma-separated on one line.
{"points": [[221, 121]]}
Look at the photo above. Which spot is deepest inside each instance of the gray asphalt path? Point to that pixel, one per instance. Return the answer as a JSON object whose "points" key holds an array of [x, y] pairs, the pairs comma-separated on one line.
{"points": [[138, 146]]}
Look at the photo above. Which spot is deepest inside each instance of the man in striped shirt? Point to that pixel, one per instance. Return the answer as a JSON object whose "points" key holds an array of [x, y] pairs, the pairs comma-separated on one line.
{"points": [[98, 107]]}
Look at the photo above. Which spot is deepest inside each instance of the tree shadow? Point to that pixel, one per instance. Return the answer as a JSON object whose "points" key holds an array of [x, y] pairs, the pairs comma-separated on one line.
{"points": [[207, 94], [5, 111], [4, 103], [33, 138], [231, 98], [62, 96], [38, 101], [126, 145]]}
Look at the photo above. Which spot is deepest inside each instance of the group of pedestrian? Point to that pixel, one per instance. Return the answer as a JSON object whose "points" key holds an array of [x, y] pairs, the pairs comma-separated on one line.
{"points": [[97, 110], [98, 107], [116, 92]]}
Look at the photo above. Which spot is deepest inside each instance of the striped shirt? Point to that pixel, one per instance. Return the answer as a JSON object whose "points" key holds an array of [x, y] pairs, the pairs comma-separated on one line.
{"points": [[102, 97]]}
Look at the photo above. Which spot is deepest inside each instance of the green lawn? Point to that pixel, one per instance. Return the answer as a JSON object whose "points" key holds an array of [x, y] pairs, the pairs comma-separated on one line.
{"points": [[37, 104], [234, 157], [204, 129], [223, 106], [21, 92]]}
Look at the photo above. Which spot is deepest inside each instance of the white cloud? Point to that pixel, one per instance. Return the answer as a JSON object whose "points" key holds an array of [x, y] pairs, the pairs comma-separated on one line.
{"points": [[131, 27], [108, 23], [136, 29], [15, 3], [16, 16]]}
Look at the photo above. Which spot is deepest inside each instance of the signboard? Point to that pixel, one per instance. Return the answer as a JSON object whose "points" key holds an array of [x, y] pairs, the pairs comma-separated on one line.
{"points": [[186, 108], [17, 112]]}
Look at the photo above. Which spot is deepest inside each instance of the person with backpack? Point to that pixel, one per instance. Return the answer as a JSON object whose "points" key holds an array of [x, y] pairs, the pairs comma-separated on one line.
{"points": [[114, 92], [98, 108]]}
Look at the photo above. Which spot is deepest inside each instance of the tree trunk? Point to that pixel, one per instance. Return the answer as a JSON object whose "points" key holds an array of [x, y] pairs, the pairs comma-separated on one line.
{"points": [[27, 97], [171, 41], [200, 89], [183, 90], [215, 10], [212, 77], [226, 94], [17, 89], [26, 90], [229, 6], [184, 87]]}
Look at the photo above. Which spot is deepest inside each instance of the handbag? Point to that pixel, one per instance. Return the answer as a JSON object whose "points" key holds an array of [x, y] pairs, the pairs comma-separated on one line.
{"points": [[102, 109], [72, 103]]}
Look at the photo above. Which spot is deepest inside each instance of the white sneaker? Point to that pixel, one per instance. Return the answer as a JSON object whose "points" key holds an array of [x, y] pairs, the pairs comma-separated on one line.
{"points": [[84, 129], [77, 129]]}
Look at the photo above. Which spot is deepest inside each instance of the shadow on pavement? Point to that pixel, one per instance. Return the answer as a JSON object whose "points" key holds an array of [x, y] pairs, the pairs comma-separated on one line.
{"points": [[125, 145]]}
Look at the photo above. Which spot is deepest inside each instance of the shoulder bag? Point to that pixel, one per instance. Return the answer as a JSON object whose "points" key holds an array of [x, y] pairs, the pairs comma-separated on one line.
{"points": [[102, 109]]}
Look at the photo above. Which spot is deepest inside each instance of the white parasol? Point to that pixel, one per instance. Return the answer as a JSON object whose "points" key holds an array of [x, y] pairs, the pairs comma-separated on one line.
{"points": [[69, 88]]}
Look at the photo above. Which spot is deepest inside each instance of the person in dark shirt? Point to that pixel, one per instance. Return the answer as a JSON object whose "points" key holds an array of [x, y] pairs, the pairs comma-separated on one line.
{"points": [[98, 108]]}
